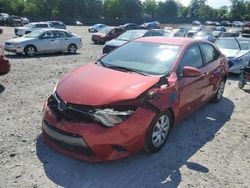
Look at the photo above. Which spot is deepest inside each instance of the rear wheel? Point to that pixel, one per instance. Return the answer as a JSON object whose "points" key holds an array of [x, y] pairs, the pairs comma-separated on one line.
{"points": [[219, 94], [158, 132], [241, 84], [72, 49], [30, 51]]}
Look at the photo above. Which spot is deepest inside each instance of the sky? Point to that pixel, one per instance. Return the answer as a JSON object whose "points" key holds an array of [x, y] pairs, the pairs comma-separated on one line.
{"points": [[212, 3]]}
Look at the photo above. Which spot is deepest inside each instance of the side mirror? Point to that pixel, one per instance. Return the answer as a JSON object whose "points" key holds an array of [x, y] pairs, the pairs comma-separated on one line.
{"points": [[191, 72]]}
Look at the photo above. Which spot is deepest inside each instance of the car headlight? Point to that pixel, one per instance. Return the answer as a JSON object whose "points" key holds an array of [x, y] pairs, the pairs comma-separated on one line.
{"points": [[110, 117]]}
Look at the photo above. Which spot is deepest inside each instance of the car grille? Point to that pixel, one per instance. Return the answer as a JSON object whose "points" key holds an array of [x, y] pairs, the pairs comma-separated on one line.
{"points": [[70, 112], [66, 146]]}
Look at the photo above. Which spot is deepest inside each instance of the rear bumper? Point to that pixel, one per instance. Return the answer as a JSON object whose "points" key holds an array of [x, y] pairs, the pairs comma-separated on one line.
{"points": [[93, 142], [4, 66]]}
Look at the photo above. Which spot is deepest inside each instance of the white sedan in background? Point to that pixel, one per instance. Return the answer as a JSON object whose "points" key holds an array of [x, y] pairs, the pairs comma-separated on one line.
{"points": [[45, 41]]}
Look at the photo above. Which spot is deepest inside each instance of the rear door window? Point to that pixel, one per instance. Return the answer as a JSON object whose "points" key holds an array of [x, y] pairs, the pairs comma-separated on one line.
{"points": [[209, 52]]}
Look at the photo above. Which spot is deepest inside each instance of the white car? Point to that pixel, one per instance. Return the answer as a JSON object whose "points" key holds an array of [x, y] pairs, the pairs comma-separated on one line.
{"points": [[45, 41], [26, 29]]}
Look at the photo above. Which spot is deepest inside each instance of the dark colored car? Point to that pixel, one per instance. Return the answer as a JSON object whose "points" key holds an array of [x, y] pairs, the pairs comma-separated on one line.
{"points": [[150, 25], [4, 63], [15, 21], [226, 23], [57, 24], [107, 34], [129, 26], [130, 99], [129, 36]]}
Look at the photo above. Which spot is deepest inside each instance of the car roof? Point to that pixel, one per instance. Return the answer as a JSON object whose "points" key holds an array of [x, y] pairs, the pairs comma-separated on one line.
{"points": [[181, 41], [53, 29]]}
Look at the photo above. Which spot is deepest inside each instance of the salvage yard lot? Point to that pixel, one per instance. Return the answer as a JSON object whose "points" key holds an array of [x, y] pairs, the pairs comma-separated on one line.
{"points": [[211, 148]]}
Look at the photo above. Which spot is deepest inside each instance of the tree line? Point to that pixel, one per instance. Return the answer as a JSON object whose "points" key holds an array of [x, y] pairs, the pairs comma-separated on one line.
{"points": [[95, 9]]}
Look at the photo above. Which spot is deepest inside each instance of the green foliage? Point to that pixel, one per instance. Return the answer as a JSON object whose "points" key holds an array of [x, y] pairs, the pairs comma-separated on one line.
{"points": [[78, 9]]}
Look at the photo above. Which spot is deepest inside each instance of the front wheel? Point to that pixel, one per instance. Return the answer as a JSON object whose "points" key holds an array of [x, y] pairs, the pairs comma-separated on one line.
{"points": [[30, 51], [72, 49], [241, 84], [158, 132], [219, 94]]}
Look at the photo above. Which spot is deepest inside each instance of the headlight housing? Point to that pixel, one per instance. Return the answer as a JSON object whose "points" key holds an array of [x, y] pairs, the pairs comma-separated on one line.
{"points": [[110, 116]]}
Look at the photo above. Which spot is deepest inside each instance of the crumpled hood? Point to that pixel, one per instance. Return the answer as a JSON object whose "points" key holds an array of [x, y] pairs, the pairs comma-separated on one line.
{"points": [[115, 43], [95, 85], [231, 53], [19, 39]]}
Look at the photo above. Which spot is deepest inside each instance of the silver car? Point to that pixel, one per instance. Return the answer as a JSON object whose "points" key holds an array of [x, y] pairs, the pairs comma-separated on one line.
{"points": [[237, 50], [45, 41]]}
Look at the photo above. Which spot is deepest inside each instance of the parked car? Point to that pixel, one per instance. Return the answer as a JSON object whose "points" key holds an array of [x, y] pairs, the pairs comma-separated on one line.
{"points": [[129, 26], [131, 35], [226, 23], [44, 41], [237, 50], [132, 97], [208, 23], [196, 22], [220, 28], [202, 35], [229, 34], [4, 17], [4, 63], [217, 34], [150, 25], [26, 29], [96, 28], [25, 20], [107, 34], [237, 24], [78, 23], [246, 30], [15, 21], [1, 31], [177, 33], [57, 24], [193, 31]]}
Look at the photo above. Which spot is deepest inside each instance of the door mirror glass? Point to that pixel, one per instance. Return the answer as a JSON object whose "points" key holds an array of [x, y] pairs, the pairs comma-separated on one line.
{"points": [[189, 72]]}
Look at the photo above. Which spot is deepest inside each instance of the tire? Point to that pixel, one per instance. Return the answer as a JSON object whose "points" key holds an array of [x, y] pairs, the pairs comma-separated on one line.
{"points": [[219, 94], [158, 132], [72, 49], [30, 51], [241, 84]]}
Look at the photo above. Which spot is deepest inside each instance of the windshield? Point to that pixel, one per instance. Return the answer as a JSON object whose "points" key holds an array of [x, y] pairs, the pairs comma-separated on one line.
{"points": [[233, 44], [29, 25], [105, 30], [34, 34], [131, 35], [149, 58]]}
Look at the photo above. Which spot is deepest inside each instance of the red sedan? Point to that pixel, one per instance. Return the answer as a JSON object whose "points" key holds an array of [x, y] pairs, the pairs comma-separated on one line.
{"points": [[4, 63], [131, 98], [107, 34]]}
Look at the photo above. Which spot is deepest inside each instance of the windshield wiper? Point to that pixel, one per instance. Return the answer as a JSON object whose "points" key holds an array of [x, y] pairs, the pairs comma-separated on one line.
{"points": [[128, 70], [100, 62]]}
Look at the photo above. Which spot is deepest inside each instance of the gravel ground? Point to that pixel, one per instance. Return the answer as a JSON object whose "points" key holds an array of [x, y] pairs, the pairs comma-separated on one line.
{"points": [[211, 148]]}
